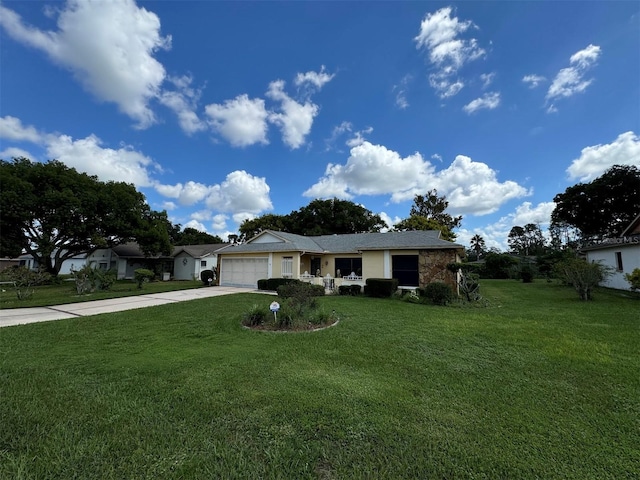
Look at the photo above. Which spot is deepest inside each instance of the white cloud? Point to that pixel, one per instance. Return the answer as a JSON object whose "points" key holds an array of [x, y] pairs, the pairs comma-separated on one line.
{"points": [[189, 193], [488, 101], [88, 155], [570, 80], [11, 128], [13, 152], [401, 92], [295, 119], [241, 121], [596, 159], [108, 46], [487, 79], [389, 221], [316, 79], [196, 225], [533, 81], [241, 192], [470, 187], [169, 206], [358, 137], [219, 222], [183, 102], [440, 37]]}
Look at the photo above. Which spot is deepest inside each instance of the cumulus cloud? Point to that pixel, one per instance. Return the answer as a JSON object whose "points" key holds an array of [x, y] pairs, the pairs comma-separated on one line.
{"points": [[240, 192], [487, 79], [196, 225], [488, 101], [183, 102], [11, 128], [88, 155], [471, 187], [596, 159], [570, 80], [294, 119], [533, 81], [114, 64], [241, 121], [13, 152], [440, 37], [356, 137], [189, 193], [315, 79]]}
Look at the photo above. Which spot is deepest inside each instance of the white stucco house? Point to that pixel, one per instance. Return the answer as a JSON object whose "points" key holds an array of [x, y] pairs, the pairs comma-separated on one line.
{"points": [[190, 260], [621, 254]]}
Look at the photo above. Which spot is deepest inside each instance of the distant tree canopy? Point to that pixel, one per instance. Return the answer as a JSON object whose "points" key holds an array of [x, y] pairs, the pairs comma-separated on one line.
{"points": [[428, 213], [320, 217], [54, 212], [601, 208], [191, 236], [527, 240]]}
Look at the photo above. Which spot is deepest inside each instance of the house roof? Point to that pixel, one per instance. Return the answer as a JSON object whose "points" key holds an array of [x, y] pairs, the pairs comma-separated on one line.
{"points": [[630, 238], [633, 228], [346, 243], [198, 251]]}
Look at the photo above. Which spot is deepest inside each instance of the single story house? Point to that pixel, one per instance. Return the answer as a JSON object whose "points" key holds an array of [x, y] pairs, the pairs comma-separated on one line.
{"points": [[621, 254], [415, 258], [190, 260]]}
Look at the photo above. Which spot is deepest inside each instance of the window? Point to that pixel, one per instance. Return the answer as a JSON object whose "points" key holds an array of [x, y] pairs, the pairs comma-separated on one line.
{"points": [[619, 261], [102, 265], [287, 267], [405, 269], [348, 265], [203, 263]]}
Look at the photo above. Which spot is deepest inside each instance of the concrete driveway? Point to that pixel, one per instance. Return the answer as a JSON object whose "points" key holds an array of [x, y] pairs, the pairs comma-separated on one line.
{"points": [[20, 316]]}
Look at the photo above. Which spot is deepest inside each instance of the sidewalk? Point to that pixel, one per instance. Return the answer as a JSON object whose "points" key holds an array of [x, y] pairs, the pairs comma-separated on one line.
{"points": [[21, 316]]}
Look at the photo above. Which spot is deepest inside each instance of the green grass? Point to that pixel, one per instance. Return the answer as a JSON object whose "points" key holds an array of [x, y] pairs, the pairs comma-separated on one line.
{"points": [[537, 385], [65, 292]]}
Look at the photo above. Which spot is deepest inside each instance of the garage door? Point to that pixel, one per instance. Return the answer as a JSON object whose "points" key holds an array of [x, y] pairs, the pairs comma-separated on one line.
{"points": [[243, 272]]}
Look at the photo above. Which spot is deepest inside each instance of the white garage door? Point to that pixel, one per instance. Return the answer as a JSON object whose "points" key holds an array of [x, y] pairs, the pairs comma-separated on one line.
{"points": [[243, 272]]}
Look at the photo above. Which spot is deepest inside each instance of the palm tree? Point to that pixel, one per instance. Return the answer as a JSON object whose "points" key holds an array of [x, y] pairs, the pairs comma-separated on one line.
{"points": [[478, 245]]}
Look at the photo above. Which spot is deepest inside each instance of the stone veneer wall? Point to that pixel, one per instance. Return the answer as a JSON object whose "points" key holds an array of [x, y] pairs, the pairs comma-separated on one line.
{"points": [[432, 267]]}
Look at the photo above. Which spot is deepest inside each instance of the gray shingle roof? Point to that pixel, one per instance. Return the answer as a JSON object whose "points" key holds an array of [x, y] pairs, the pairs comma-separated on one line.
{"points": [[347, 243], [198, 251]]}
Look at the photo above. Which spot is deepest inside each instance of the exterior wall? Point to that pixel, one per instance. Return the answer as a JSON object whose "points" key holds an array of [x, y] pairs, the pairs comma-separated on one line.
{"points": [[276, 267], [373, 264], [432, 265], [184, 270], [607, 256]]}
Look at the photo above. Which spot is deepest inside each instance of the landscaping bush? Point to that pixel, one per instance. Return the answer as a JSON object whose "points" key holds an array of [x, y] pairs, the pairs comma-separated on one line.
{"points": [[582, 275], [256, 316], [381, 287], [142, 275], [470, 287], [634, 279], [207, 277], [526, 273], [349, 290], [438, 293], [272, 284], [91, 278], [300, 289], [498, 265], [24, 280]]}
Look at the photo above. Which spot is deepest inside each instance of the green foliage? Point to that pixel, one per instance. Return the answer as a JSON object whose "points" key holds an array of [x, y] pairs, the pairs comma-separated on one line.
{"points": [[191, 236], [478, 246], [428, 213], [633, 278], [320, 217], [417, 222], [469, 286], [89, 279], [349, 290], [438, 293], [300, 290], [498, 265], [603, 207], [381, 287], [142, 275], [582, 275], [207, 277], [527, 240], [256, 316], [54, 212], [272, 284], [526, 273], [24, 280]]}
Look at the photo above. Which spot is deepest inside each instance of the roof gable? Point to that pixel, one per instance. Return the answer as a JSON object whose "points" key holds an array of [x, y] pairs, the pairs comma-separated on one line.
{"points": [[633, 228]]}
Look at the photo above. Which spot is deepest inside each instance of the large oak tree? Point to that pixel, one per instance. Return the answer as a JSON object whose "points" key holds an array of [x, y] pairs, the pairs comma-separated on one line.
{"points": [[55, 212], [428, 212]]}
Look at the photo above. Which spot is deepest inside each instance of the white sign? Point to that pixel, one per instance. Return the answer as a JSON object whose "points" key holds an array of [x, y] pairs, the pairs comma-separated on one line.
{"points": [[275, 306]]}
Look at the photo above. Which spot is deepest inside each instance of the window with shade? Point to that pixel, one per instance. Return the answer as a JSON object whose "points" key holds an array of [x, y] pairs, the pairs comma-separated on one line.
{"points": [[287, 267]]}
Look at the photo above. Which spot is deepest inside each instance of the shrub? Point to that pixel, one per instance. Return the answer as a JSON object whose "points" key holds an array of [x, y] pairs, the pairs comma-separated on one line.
{"points": [[470, 287], [301, 290], [272, 284], [207, 277], [634, 279], [142, 275], [438, 293], [90, 278], [498, 265], [349, 290], [256, 316], [381, 287], [24, 280], [582, 275], [526, 273]]}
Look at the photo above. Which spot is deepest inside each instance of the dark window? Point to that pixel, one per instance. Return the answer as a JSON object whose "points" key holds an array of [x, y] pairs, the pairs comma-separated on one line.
{"points": [[405, 269], [203, 263], [619, 261], [348, 265]]}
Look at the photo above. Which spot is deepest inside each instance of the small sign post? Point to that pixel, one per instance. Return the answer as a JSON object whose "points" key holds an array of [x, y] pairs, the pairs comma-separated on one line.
{"points": [[274, 307]]}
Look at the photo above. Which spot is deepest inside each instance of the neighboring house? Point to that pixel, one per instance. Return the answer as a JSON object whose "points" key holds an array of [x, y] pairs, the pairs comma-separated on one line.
{"points": [[190, 260], [622, 254], [415, 258]]}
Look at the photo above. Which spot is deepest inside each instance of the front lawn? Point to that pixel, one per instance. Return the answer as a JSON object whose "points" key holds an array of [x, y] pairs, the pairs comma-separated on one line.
{"points": [[537, 385], [65, 292]]}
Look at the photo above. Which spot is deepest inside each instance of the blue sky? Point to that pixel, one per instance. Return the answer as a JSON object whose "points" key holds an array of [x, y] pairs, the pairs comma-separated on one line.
{"points": [[222, 111]]}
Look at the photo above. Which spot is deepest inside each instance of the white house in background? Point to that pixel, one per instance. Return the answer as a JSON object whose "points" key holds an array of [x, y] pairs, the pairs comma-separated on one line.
{"points": [[622, 254], [190, 260]]}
